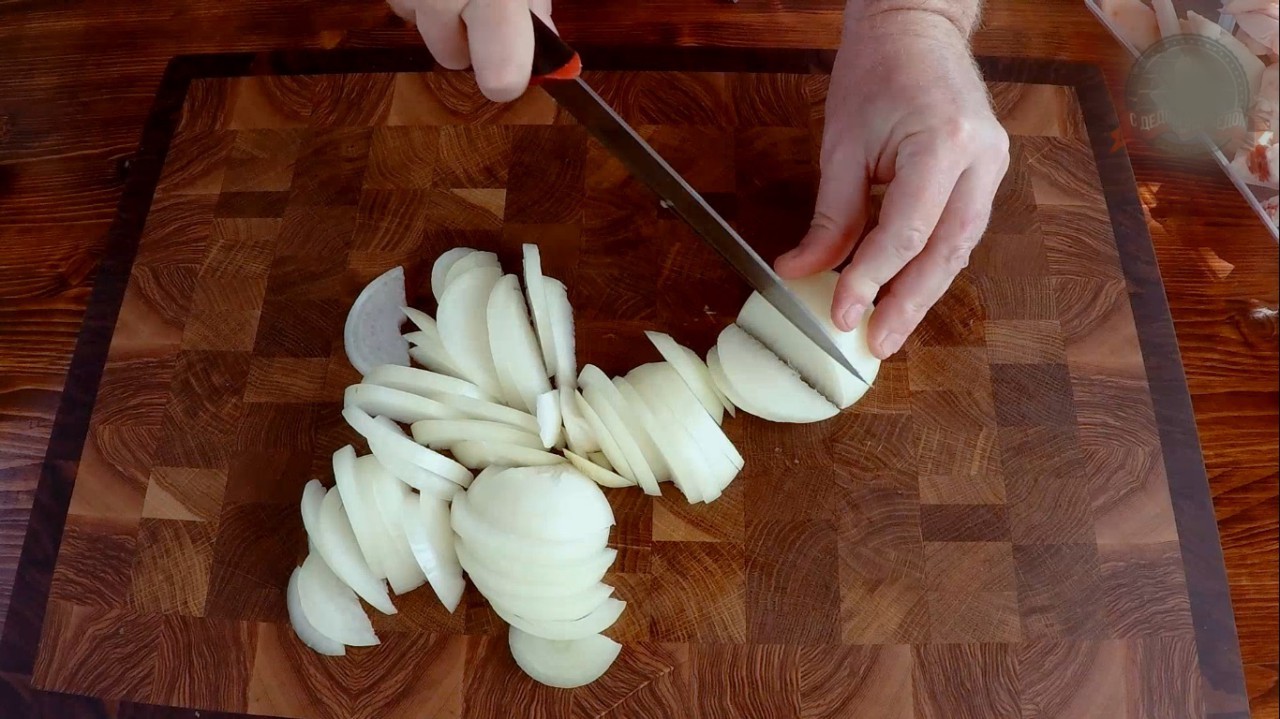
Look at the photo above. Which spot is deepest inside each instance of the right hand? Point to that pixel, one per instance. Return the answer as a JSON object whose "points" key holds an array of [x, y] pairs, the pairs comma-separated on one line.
{"points": [[495, 37]]}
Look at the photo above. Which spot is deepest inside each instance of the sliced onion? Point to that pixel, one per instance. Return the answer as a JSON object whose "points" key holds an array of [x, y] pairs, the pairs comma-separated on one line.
{"points": [[391, 445], [600, 619], [764, 385], [490, 411], [489, 540], [306, 631], [596, 473], [688, 466], [483, 575], [403, 573], [464, 327], [577, 432], [538, 306], [395, 404], [563, 664], [337, 546], [599, 460], [426, 526], [371, 335], [361, 512], [331, 607], [424, 383], [516, 354], [626, 440], [445, 433], [425, 323], [440, 270], [550, 421], [561, 316], [429, 351], [466, 263], [566, 608], [477, 455], [553, 503], [608, 445], [717, 376], [658, 382], [581, 573], [427, 482], [692, 370], [597, 381]]}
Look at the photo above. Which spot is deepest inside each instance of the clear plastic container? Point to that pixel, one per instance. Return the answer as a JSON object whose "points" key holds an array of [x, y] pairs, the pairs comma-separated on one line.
{"points": [[1256, 195]]}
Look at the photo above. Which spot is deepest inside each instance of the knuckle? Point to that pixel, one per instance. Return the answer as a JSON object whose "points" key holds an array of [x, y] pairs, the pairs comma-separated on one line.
{"points": [[957, 130], [957, 258], [911, 242]]}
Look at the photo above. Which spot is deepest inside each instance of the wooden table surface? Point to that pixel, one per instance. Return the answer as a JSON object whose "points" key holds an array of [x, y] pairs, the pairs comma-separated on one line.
{"points": [[78, 83]]}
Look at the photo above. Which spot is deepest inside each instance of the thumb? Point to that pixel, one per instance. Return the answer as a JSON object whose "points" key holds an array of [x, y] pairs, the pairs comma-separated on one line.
{"points": [[838, 218]]}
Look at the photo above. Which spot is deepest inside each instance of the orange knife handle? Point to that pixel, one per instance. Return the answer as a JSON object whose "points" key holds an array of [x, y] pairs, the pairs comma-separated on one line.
{"points": [[553, 59]]}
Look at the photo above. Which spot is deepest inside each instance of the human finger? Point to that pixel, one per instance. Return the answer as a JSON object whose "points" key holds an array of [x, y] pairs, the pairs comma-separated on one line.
{"points": [[442, 29], [501, 36], [838, 218]]}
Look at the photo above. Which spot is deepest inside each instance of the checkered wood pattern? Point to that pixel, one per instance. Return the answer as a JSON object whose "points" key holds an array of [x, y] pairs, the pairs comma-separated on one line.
{"points": [[987, 535]]}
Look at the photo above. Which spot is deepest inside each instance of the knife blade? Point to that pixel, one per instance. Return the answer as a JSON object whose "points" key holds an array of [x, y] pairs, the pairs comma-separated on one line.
{"points": [[557, 69]]}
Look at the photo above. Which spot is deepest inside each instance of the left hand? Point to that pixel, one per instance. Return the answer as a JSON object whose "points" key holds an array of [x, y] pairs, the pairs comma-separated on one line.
{"points": [[907, 107]]}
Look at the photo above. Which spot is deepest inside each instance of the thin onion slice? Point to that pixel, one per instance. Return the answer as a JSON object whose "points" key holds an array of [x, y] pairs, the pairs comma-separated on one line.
{"points": [[577, 433], [306, 631], [445, 433], [627, 442], [597, 381], [425, 481], [658, 383], [478, 455], [599, 460], [425, 323], [692, 370], [566, 608], [424, 383], [426, 526], [469, 262], [717, 375], [766, 386], [331, 607], [516, 354], [483, 574], [464, 327], [600, 619], [361, 512], [598, 474], [429, 351], [403, 573], [561, 316], [396, 446], [688, 467], [440, 270], [395, 404], [550, 421], [489, 540], [551, 503], [473, 408], [336, 544], [557, 575], [608, 445], [535, 287], [371, 335], [563, 664]]}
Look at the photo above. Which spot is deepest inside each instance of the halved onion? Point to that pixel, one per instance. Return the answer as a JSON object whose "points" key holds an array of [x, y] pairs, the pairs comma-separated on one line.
{"points": [[563, 664], [659, 382], [371, 335], [688, 466], [550, 420], [577, 433], [487, 539], [538, 306], [336, 544], [331, 607], [426, 526], [553, 503], [440, 270], [692, 370], [608, 445], [516, 354], [361, 512], [388, 441], [561, 316], [403, 573], [600, 619], [596, 473], [477, 455], [764, 385], [626, 439], [464, 326], [305, 630], [484, 575], [424, 383], [395, 404], [445, 433], [466, 263], [566, 608]]}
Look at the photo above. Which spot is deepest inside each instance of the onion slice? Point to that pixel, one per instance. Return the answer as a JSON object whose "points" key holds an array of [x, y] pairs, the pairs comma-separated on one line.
{"points": [[465, 264], [331, 607], [598, 474], [391, 445], [445, 433], [489, 540], [426, 526], [361, 512], [428, 351], [478, 455], [464, 327], [403, 573], [440, 270], [600, 399], [658, 382], [473, 408], [395, 404], [763, 385], [551, 503], [688, 466], [692, 370], [608, 445], [424, 383], [336, 544], [577, 433], [600, 619], [484, 575], [516, 354], [561, 317], [371, 335], [538, 306], [550, 420], [563, 664], [306, 631]]}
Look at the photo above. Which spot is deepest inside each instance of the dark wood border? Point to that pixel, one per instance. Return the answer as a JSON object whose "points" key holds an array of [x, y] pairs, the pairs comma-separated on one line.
{"points": [[1220, 664]]}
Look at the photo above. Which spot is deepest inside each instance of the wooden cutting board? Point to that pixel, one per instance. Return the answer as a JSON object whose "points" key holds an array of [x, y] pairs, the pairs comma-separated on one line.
{"points": [[1013, 523]]}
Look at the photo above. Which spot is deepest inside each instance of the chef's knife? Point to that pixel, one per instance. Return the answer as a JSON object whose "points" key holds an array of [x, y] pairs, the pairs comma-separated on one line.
{"points": [[557, 69]]}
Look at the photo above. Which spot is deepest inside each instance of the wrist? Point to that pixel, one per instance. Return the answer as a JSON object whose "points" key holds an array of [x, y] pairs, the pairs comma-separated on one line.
{"points": [[912, 16]]}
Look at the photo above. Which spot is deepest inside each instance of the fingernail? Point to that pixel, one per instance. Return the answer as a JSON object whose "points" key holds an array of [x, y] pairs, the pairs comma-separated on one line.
{"points": [[852, 316], [891, 343]]}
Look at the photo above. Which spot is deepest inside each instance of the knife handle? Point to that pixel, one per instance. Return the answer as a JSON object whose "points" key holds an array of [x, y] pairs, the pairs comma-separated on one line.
{"points": [[553, 59]]}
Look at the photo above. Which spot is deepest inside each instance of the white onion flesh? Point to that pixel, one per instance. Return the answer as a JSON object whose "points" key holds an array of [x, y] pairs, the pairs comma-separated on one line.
{"points": [[331, 607], [473, 408], [535, 287], [595, 382], [310, 636], [423, 383], [357, 499], [689, 469], [764, 385], [692, 370], [599, 460], [608, 445], [430, 353], [395, 404], [581, 573], [485, 576], [566, 608], [336, 544], [425, 323], [717, 375], [389, 441], [556, 503], [633, 457], [489, 540], [516, 354], [563, 664], [445, 433], [596, 473], [550, 421], [561, 316], [403, 573], [600, 619], [464, 326], [577, 433], [440, 270], [371, 335], [431, 539], [465, 264], [478, 455], [658, 383]]}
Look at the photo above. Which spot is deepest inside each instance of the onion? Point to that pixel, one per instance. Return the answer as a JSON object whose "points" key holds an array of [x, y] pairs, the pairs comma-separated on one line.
{"points": [[692, 370], [762, 321], [306, 631], [608, 445], [361, 512], [444, 433], [563, 664], [561, 316], [371, 335], [336, 544], [600, 619], [423, 382], [553, 503], [490, 411], [764, 385], [331, 607], [482, 454], [403, 573], [549, 418], [429, 352], [626, 443], [390, 444], [426, 526], [516, 354], [395, 404], [464, 327], [425, 323], [423, 480], [466, 263], [596, 473], [556, 575], [440, 270], [577, 432], [688, 467], [489, 540], [566, 608], [717, 375], [538, 306], [484, 576], [658, 382], [599, 460], [595, 382]]}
